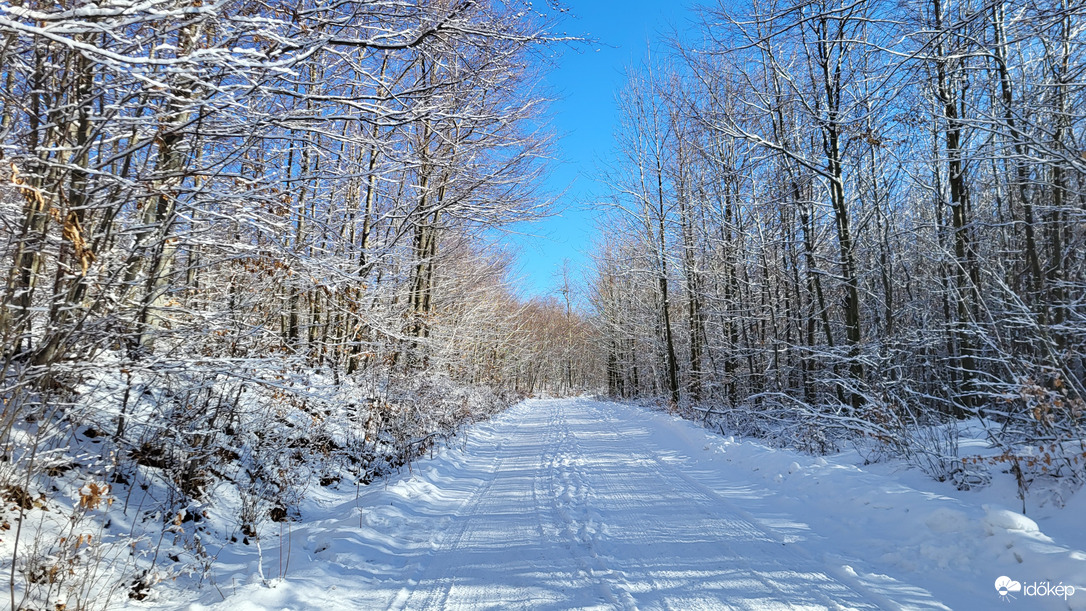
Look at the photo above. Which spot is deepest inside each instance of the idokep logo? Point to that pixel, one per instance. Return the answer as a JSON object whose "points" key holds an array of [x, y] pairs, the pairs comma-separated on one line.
{"points": [[1007, 587]]}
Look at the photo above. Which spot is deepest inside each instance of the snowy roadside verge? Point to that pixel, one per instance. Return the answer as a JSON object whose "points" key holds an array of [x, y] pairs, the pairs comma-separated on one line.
{"points": [[897, 520], [140, 479]]}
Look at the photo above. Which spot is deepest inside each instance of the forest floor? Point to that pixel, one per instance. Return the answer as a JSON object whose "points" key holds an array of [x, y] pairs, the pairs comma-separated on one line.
{"points": [[581, 504]]}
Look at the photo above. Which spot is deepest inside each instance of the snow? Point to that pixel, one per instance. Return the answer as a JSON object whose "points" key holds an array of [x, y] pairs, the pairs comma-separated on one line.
{"points": [[581, 504]]}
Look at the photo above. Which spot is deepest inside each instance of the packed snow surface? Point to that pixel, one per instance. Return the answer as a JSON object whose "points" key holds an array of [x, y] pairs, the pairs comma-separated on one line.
{"points": [[580, 504]]}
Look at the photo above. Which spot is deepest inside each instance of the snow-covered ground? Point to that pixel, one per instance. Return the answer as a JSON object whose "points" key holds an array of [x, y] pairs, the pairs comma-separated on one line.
{"points": [[567, 504]]}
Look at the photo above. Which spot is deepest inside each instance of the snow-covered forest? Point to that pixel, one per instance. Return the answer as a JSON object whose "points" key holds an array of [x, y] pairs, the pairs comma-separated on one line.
{"points": [[254, 250], [250, 248], [862, 218]]}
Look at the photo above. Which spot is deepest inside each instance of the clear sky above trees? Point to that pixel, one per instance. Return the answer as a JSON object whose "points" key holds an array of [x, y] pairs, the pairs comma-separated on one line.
{"points": [[587, 79]]}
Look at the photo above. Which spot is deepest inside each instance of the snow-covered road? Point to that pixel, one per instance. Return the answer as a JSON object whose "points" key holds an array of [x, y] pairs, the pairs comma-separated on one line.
{"points": [[579, 504]]}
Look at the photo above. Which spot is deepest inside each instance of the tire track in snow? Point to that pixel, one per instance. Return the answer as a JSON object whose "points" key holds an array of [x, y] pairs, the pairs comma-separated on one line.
{"points": [[644, 533], [451, 540], [748, 527], [602, 513], [796, 554], [696, 501], [439, 583], [571, 496]]}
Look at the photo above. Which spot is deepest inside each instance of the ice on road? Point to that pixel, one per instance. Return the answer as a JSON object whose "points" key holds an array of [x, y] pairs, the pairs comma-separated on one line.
{"points": [[579, 504]]}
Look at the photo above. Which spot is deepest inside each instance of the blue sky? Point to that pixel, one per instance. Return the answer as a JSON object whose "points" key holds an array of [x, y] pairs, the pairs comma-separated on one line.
{"points": [[587, 79]]}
